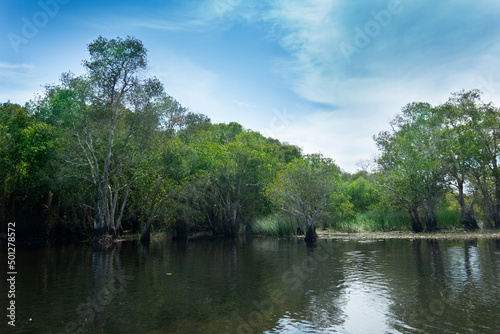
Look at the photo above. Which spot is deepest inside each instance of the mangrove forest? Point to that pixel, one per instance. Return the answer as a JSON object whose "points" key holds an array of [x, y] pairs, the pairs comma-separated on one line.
{"points": [[109, 153]]}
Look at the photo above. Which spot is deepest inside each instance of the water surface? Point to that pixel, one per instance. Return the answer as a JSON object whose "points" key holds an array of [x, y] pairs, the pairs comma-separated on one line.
{"points": [[259, 286]]}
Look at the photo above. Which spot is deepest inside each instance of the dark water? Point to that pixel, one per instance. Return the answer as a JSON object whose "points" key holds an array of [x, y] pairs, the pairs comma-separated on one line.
{"points": [[258, 286]]}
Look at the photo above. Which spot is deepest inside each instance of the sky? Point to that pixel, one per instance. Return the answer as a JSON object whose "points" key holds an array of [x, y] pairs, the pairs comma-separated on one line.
{"points": [[325, 75]]}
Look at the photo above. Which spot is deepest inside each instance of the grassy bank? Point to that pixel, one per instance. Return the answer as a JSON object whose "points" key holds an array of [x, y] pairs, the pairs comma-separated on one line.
{"points": [[280, 225], [392, 221], [442, 234]]}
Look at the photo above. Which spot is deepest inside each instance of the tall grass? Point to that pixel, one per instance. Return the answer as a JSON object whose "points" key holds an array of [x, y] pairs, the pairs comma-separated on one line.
{"points": [[280, 225], [374, 222], [449, 219], [276, 225], [392, 221]]}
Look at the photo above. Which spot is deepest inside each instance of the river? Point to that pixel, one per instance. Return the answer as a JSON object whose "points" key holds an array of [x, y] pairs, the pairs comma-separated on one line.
{"points": [[258, 285]]}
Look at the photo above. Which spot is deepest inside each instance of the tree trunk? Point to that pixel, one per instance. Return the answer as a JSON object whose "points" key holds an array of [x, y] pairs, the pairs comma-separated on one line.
{"points": [[311, 235], [146, 233], [118, 227], [300, 229], [211, 223], [467, 217], [430, 212], [100, 225], [180, 230], [416, 225], [231, 228], [98, 235], [431, 223], [100, 217], [495, 215]]}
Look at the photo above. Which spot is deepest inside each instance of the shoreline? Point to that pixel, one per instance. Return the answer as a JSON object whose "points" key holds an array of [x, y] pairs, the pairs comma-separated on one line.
{"points": [[322, 235], [439, 235]]}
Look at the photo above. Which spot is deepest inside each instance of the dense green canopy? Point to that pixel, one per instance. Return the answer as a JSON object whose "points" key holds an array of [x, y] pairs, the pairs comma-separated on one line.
{"points": [[110, 151]]}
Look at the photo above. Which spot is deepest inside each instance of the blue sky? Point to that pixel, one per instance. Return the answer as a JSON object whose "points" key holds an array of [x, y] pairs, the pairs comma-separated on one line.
{"points": [[325, 75]]}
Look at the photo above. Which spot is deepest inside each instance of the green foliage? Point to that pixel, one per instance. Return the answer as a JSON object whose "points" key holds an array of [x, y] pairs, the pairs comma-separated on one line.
{"points": [[111, 147], [363, 195], [410, 165], [26, 152], [110, 118], [305, 189], [342, 206]]}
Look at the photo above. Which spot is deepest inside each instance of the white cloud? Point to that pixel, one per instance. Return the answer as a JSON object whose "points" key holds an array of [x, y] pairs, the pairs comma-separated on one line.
{"points": [[363, 94], [9, 66], [369, 92], [346, 140], [310, 32], [245, 104], [17, 82], [198, 16], [203, 91], [193, 86]]}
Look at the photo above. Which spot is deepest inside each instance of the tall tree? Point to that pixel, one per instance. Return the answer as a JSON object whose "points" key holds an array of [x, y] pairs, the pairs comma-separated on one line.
{"points": [[304, 188], [110, 115], [410, 163], [481, 138], [459, 153]]}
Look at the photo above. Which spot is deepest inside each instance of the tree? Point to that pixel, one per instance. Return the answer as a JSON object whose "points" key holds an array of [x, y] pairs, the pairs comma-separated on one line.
{"points": [[410, 163], [303, 189], [27, 151], [242, 165], [477, 130], [110, 115], [230, 167], [459, 156], [363, 195]]}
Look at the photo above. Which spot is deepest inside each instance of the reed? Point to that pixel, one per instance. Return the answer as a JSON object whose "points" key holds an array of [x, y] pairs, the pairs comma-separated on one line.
{"points": [[276, 225], [393, 221]]}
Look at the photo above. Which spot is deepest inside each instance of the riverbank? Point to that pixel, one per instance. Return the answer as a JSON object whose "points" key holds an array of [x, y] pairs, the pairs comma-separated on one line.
{"points": [[443, 234], [455, 234], [337, 235]]}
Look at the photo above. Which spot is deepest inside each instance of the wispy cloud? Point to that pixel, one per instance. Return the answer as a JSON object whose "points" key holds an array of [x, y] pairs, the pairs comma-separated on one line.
{"points": [[404, 51], [191, 85], [8, 68], [350, 65], [16, 82], [191, 16], [391, 42], [245, 105], [5, 65], [414, 53], [309, 31]]}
